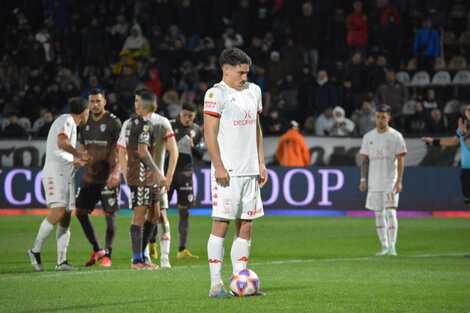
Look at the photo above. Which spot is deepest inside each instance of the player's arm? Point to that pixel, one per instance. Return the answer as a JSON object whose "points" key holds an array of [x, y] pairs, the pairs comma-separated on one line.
{"points": [[113, 158], [444, 142], [263, 172], [146, 157], [63, 143], [400, 170], [122, 157], [211, 130], [364, 173], [173, 152]]}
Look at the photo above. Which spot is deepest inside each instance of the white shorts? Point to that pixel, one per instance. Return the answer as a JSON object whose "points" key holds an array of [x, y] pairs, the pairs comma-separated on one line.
{"points": [[240, 200], [381, 200], [60, 193]]}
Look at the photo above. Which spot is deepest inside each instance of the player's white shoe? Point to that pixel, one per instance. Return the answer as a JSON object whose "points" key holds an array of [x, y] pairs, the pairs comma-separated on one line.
{"points": [[382, 251], [392, 251], [219, 292], [164, 262]]}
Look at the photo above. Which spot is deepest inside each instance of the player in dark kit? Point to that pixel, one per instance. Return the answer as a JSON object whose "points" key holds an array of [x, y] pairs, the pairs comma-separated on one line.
{"points": [[141, 173], [100, 181], [189, 138]]}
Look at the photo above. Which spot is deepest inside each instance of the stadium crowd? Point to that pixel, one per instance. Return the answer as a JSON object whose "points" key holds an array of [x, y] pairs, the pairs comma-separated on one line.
{"points": [[323, 63]]}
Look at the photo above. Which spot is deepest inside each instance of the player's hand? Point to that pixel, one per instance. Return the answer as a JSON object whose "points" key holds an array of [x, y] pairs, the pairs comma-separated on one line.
{"points": [[85, 157], [113, 181], [427, 140], [160, 179], [363, 186], [77, 162], [263, 175], [221, 176], [398, 187]]}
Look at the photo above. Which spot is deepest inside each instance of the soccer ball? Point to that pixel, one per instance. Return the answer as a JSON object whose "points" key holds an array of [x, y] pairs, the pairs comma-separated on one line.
{"points": [[244, 283]]}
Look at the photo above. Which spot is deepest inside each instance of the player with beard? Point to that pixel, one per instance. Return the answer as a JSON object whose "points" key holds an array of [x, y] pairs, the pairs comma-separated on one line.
{"points": [[101, 180]]}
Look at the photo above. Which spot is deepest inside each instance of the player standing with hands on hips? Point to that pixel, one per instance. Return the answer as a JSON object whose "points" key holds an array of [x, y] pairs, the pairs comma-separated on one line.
{"points": [[383, 150], [235, 143]]}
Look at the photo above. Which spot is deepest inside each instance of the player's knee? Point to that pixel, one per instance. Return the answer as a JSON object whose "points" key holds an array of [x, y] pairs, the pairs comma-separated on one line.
{"points": [[391, 212]]}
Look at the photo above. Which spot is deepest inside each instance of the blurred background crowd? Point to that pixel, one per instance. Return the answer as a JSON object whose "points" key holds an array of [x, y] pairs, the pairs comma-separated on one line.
{"points": [[323, 63]]}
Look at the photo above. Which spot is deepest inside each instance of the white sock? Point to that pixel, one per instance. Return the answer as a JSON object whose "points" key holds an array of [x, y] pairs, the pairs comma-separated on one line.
{"points": [[165, 239], [240, 253], [215, 253], [381, 226], [147, 252], [44, 231], [63, 238], [392, 229]]}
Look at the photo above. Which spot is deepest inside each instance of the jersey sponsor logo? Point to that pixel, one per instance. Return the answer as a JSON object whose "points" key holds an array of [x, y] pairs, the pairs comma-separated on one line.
{"points": [[211, 95], [103, 127], [209, 104], [247, 114], [246, 121]]}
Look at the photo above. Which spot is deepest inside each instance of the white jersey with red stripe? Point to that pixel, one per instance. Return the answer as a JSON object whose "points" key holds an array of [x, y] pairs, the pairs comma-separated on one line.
{"points": [[163, 130], [382, 150], [59, 162], [237, 111]]}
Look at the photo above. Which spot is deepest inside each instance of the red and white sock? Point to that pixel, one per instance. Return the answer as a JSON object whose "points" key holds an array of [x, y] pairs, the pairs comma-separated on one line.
{"points": [[381, 226], [392, 229]]}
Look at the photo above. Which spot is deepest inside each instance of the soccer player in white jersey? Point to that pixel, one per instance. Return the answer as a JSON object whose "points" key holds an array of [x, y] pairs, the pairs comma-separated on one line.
{"points": [[62, 158], [235, 143], [383, 150]]}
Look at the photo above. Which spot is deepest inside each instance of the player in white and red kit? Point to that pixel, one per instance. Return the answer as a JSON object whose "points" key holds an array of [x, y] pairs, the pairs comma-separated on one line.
{"points": [[383, 150], [58, 181], [235, 143]]}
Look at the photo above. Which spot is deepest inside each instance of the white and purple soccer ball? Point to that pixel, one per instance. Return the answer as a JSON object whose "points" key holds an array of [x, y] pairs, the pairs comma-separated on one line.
{"points": [[244, 283]]}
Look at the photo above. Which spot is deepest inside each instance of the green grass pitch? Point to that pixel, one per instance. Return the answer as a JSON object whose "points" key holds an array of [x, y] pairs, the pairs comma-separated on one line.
{"points": [[305, 264]]}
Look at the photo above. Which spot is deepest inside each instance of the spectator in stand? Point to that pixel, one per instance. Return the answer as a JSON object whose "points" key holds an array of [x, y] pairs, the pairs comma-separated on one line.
{"points": [[308, 29], [171, 102], [291, 149], [365, 117], [276, 70], [48, 118], [96, 44], [437, 123], [324, 93], [345, 98], [242, 19], [66, 76], [31, 53], [125, 59], [395, 94], [293, 55], [126, 84], [357, 29], [426, 47], [119, 32], [116, 107], [13, 129], [185, 15], [135, 41], [288, 91], [274, 123], [418, 123], [356, 72], [390, 40], [324, 122], [230, 38], [154, 82], [93, 83], [53, 98], [377, 72], [45, 39], [342, 125], [306, 82], [430, 102]]}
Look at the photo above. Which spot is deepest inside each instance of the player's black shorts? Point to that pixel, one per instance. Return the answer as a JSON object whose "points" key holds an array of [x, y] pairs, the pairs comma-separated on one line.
{"points": [[141, 196], [88, 194], [465, 184], [183, 184]]}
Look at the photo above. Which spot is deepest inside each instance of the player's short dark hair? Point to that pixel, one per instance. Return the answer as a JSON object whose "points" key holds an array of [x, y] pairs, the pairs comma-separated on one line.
{"points": [[384, 108], [148, 100], [96, 91], [189, 106], [140, 91], [77, 105], [234, 56]]}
